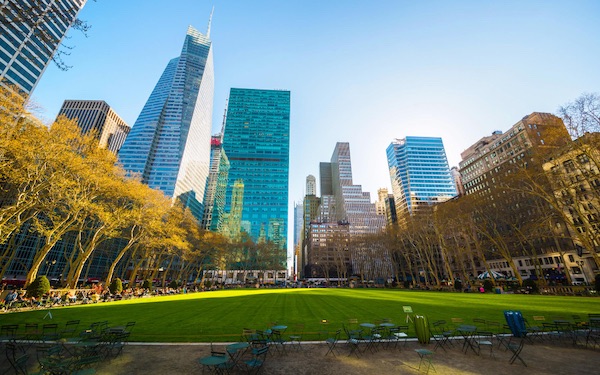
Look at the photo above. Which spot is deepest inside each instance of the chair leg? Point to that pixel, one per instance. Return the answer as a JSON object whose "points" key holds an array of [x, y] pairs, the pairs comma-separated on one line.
{"points": [[331, 347], [425, 356], [517, 349]]}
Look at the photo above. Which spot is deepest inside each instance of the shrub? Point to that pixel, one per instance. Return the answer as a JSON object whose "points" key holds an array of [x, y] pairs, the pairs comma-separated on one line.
{"points": [[207, 284], [598, 283], [147, 284], [116, 286], [38, 287], [173, 284], [488, 285]]}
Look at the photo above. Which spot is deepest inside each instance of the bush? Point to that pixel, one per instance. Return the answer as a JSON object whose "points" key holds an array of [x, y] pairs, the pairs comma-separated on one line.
{"points": [[116, 286], [207, 284], [530, 285], [38, 287], [488, 285], [173, 284], [598, 283], [147, 284]]}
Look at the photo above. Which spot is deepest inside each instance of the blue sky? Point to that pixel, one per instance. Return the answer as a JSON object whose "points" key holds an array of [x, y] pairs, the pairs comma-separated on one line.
{"points": [[363, 72]]}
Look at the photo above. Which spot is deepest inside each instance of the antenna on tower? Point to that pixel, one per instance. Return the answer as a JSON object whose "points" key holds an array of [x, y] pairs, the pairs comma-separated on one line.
{"points": [[209, 22], [224, 120]]}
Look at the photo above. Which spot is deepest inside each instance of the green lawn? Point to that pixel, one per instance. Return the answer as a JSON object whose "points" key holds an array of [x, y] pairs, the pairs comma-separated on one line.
{"points": [[221, 315]]}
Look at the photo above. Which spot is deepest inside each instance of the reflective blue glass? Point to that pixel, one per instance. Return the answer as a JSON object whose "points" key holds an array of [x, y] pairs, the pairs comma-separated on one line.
{"points": [[256, 141]]}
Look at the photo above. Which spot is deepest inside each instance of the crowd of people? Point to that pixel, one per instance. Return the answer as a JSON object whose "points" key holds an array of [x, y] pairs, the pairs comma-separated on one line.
{"points": [[18, 298]]}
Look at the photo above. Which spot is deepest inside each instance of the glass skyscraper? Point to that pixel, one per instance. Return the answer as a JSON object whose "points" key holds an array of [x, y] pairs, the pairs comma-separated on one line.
{"points": [[214, 194], [169, 144], [419, 173], [256, 140], [30, 34], [352, 204]]}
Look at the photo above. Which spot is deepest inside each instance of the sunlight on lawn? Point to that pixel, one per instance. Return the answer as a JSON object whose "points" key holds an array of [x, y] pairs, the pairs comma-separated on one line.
{"points": [[221, 315]]}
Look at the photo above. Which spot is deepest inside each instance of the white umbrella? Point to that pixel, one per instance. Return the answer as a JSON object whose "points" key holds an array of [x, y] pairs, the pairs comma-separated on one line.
{"points": [[494, 275]]}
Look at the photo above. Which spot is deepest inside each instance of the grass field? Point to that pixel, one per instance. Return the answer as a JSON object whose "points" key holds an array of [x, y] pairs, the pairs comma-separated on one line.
{"points": [[221, 315]]}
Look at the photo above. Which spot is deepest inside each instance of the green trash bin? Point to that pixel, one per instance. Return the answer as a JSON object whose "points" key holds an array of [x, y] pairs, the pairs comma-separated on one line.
{"points": [[422, 329]]}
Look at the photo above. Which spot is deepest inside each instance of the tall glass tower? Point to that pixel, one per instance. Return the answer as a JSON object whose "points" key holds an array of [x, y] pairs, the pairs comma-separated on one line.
{"points": [[419, 173], [169, 144], [257, 141], [30, 34]]}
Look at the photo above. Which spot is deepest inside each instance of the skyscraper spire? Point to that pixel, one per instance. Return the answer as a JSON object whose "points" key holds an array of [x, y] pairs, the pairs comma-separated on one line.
{"points": [[209, 22]]}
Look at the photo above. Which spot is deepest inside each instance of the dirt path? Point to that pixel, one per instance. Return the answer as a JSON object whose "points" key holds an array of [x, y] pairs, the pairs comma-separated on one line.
{"points": [[541, 358]]}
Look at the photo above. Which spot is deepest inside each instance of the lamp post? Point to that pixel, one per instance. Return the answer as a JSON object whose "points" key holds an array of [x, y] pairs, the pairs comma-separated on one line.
{"points": [[48, 265], [580, 264]]}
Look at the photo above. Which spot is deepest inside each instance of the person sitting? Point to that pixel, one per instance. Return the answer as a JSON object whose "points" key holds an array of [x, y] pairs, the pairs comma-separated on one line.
{"points": [[10, 299]]}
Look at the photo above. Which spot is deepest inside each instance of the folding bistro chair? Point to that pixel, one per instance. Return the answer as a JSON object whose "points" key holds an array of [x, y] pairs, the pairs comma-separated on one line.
{"points": [[70, 328], [485, 339], [17, 357], [480, 323], [259, 356], [398, 333], [426, 356], [353, 340], [516, 350], [278, 341], [536, 329], [593, 335], [441, 335], [296, 336], [332, 342]]}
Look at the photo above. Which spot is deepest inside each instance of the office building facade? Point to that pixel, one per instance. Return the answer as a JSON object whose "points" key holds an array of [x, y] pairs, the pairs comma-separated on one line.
{"points": [[487, 159], [256, 140], [169, 144], [30, 35], [351, 203], [419, 173], [98, 117], [214, 194]]}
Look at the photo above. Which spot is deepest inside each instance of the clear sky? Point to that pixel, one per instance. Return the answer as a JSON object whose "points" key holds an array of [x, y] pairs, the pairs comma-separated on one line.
{"points": [[363, 72]]}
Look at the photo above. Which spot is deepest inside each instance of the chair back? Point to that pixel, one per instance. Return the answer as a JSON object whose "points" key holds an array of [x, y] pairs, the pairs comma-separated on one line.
{"points": [[9, 330], [335, 337], [249, 334], [49, 328], [31, 327], [516, 323], [297, 329]]}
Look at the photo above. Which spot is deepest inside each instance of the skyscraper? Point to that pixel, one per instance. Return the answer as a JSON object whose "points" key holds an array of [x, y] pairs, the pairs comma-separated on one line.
{"points": [[97, 116], [311, 185], [30, 34], [257, 142], [419, 173], [214, 194], [169, 144], [352, 205]]}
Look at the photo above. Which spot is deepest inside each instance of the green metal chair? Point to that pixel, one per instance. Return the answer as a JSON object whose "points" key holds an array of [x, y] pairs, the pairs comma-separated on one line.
{"points": [[332, 342]]}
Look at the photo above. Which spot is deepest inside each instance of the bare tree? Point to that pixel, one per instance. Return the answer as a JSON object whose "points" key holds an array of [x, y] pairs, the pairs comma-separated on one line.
{"points": [[34, 17]]}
